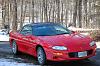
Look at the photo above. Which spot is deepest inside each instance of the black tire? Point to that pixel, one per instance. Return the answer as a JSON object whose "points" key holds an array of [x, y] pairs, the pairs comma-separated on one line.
{"points": [[15, 48], [41, 56]]}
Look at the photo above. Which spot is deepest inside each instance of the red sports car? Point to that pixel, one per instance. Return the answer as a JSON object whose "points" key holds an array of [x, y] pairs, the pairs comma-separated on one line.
{"points": [[51, 41]]}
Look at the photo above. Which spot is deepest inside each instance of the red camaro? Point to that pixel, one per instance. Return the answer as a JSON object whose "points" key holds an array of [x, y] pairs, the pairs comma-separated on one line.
{"points": [[51, 41]]}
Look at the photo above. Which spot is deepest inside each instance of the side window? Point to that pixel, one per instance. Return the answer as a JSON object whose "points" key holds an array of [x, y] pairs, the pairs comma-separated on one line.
{"points": [[26, 30]]}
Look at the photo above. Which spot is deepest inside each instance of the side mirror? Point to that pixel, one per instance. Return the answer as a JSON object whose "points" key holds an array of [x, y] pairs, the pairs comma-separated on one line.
{"points": [[73, 31]]}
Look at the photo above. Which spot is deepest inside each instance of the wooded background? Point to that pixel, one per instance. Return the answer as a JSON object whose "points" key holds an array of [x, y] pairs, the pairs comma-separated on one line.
{"points": [[77, 13]]}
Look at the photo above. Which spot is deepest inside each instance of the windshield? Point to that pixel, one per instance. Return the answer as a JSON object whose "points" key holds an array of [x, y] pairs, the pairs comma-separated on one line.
{"points": [[49, 30]]}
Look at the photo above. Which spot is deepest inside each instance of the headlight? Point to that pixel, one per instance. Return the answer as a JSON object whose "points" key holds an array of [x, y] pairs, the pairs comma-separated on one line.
{"points": [[59, 48], [92, 43]]}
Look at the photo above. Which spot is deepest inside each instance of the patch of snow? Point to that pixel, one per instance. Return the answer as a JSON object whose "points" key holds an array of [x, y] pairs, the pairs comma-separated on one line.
{"points": [[4, 37], [80, 29], [85, 34], [98, 44], [7, 62]]}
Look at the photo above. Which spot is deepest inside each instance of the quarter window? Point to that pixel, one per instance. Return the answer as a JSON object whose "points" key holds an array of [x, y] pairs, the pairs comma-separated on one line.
{"points": [[26, 30]]}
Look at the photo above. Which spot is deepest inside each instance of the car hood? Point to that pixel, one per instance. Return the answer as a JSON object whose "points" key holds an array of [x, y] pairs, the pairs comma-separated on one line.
{"points": [[69, 40]]}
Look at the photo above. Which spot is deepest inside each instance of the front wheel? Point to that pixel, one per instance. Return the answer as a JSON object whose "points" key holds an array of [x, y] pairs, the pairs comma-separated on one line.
{"points": [[41, 56], [14, 48]]}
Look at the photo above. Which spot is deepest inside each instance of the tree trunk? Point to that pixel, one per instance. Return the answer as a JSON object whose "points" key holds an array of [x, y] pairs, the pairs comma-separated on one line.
{"points": [[75, 14], [85, 10], [3, 13], [33, 11], [45, 10], [58, 10], [62, 14], [29, 11], [80, 13], [21, 20], [14, 24]]}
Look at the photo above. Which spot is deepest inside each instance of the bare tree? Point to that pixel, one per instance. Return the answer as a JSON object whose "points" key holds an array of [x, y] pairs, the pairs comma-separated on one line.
{"points": [[75, 13], [32, 10], [58, 10], [21, 20], [3, 13], [80, 13], [14, 24]]}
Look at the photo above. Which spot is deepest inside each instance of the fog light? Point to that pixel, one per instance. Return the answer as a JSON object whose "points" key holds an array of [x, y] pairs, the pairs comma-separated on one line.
{"points": [[58, 54]]}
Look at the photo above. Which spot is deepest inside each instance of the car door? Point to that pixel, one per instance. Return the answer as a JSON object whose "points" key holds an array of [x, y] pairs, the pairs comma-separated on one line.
{"points": [[25, 41], [28, 40]]}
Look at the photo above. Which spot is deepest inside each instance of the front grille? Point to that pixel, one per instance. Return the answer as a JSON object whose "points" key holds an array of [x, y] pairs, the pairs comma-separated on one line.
{"points": [[75, 54]]}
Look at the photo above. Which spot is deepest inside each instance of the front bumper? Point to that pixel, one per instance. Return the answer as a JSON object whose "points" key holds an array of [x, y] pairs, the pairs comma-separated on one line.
{"points": [[54, 55]]}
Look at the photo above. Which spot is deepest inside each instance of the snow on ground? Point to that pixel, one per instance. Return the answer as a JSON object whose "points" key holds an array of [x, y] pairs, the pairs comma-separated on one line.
{"points": [[7, 62], [4, 37], [81, 29], [98, 44]]}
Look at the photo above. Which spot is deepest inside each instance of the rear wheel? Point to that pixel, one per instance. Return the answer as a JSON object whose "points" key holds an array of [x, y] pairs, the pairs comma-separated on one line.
{"points": [[14, 48], [41, 56]]}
